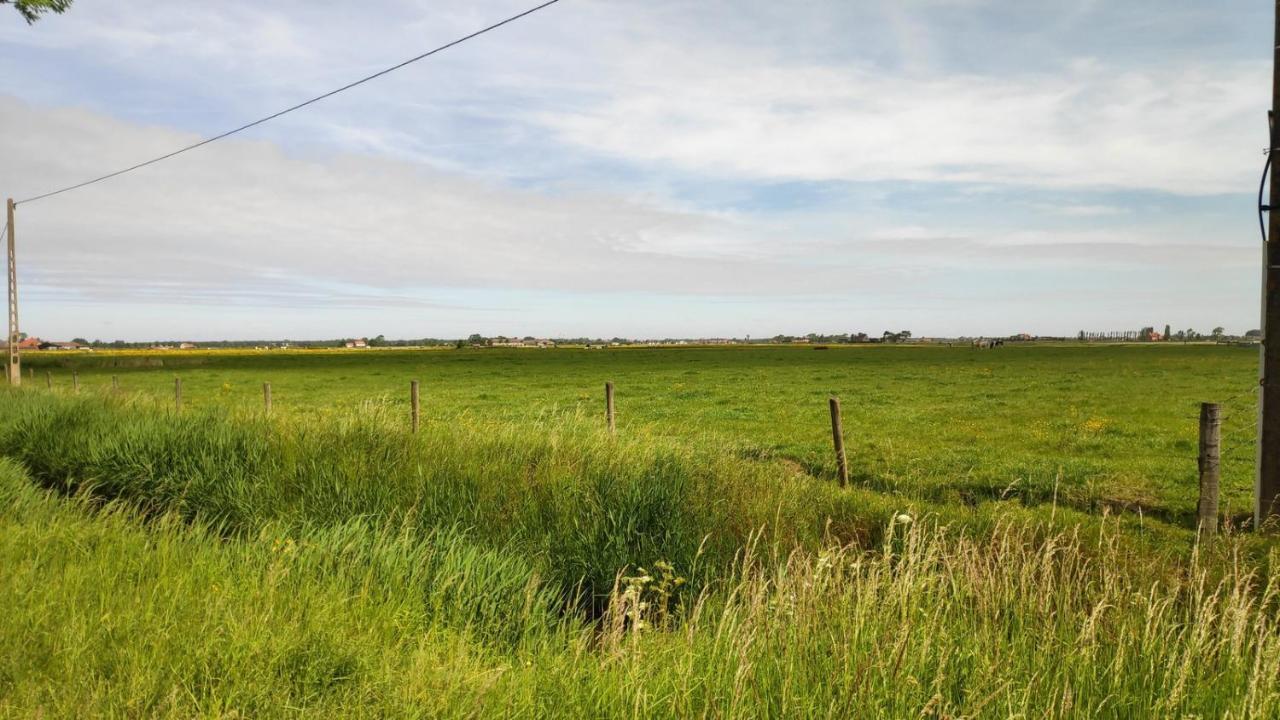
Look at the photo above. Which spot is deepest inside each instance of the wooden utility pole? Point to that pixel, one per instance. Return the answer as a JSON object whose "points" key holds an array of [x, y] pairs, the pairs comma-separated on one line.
{"points": [[15, 363], [1210, 453], [1267, 488]]}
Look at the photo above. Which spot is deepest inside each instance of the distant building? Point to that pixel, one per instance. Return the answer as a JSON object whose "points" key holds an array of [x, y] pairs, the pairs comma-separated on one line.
{"points": [[31, 343], [63, 346], [361, 343], [187, 346]]}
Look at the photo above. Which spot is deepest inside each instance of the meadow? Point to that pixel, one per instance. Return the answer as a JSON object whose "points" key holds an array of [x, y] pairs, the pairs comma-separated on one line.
{"points": [[1015, 540]]}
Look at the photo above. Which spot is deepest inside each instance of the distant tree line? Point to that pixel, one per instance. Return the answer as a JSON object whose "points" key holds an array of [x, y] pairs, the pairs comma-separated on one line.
{"points": [[1149, 334]]}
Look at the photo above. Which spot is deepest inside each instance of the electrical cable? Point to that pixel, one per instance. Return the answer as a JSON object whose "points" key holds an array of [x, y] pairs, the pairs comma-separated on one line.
{"points": [[288, 110]]}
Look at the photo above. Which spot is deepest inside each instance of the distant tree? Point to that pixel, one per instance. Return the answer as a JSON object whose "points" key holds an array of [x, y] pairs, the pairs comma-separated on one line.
{"points": [[1253, 334], [904, 334], [1167, 332], [1080, 337], [1146, 333], [477, 339], [1218, 332], [379, 341], [82, 341], [31, 10]]}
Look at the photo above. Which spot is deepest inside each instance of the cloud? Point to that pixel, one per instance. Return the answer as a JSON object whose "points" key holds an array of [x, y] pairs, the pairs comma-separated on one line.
{"points": [[244, 216], [1177, 129], [660, 166]]}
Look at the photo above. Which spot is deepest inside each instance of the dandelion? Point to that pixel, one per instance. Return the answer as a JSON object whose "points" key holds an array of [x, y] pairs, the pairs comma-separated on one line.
{"points": [[904, 519]]}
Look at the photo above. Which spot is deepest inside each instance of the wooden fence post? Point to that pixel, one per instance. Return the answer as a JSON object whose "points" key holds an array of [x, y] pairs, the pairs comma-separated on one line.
{"points": [[837, 438], [608, 406], [266, 397], [75, 381], [177, 394], [413, 403], [1210, 451], [115, 383], [48, 379]]}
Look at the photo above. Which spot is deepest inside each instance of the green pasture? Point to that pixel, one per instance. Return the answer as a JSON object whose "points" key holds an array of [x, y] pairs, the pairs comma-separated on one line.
{"points": [[1096, 427], [1015, 541]]}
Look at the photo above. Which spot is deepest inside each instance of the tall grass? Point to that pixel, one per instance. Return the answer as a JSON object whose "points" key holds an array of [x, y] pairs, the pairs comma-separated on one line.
{"points": [[582, 505], [107, 612]]}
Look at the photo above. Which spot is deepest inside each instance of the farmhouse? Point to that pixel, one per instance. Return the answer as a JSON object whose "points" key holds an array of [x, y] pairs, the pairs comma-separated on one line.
{"points": [[361, 343], [187, 346], [44, 345]]}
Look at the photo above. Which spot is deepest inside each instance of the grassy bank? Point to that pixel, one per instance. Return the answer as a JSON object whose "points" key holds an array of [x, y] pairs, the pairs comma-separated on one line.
{"points": [[582, 504], [110, 613]]}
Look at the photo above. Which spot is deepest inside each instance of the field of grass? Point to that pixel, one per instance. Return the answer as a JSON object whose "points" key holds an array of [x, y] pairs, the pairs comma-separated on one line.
{"points": [[1099, 425], [1015, 541]]}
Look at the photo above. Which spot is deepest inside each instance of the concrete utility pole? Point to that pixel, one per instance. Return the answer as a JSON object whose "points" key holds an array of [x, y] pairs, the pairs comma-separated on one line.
{"points": [[15, 363], [1268, 482]]}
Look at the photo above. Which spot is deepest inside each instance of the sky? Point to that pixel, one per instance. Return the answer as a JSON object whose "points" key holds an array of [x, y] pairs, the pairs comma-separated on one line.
{"points": [[641, 169]]}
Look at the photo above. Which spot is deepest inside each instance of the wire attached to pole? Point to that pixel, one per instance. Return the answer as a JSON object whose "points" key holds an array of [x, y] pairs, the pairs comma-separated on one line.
{"points": [[288, 110]]}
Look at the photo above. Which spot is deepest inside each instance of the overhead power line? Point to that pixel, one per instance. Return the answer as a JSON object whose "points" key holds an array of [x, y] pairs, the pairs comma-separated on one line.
{"points": [[288, 110]]}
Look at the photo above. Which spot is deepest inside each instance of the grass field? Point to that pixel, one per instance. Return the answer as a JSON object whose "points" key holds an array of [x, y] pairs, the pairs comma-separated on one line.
{"points": [[1106, 425], [1015, 542]]}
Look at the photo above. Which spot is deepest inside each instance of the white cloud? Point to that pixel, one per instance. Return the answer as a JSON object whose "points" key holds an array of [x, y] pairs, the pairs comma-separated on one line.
{"points": [[1180, 129], [549, 159]]}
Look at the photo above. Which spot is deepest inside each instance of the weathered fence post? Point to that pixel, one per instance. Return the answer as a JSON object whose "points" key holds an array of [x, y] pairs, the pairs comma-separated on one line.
{"points": [[608, 406], [75, 381], [837, 438], [413, 403], [115, 383], [1210, 451], [48, 379], [177, 394], [266, 397]]}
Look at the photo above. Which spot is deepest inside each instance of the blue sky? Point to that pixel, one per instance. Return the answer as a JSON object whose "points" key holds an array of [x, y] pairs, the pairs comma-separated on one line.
{"points": [[644, 169]]}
